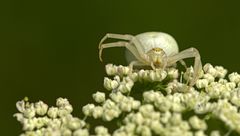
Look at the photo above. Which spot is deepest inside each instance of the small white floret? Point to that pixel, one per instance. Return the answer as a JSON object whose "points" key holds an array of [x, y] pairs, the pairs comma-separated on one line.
{"points": [[99, 97]]}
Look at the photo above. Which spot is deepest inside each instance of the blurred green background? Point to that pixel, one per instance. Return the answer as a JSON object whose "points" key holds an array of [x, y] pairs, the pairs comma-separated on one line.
{"points": [[49, 49]]}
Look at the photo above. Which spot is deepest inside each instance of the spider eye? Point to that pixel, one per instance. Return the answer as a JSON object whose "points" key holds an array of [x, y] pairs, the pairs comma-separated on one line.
{"points": [[157, 49]]}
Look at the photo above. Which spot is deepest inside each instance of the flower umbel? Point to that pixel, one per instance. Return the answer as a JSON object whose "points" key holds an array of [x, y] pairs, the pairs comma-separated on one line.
{"points": [[145, 102]]}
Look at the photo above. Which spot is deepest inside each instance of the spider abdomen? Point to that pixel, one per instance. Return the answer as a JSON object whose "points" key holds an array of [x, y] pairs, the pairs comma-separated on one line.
{"points": [[150, 40]]}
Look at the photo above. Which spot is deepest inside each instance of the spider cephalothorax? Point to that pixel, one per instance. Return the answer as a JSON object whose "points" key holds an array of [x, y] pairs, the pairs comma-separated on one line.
{"points": [[157, 57]]}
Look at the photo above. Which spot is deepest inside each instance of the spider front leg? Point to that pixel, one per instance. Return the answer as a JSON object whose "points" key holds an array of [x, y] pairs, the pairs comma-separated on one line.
{"points": [[109, 45], [132, 40], [130, 47], [136, 63], [188, 53], [114, 36]]}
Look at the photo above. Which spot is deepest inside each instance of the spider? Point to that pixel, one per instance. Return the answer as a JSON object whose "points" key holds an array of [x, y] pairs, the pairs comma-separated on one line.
{"points": [[156, 49]]}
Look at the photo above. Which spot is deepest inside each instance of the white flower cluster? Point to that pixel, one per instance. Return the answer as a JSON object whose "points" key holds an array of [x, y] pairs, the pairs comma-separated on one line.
{"points": [[112, 107], [149, 75], [40, 120], [167, 106]]}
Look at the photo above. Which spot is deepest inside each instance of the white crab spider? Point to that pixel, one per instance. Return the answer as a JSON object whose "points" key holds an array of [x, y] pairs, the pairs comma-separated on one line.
{"points": [[156, 49]]}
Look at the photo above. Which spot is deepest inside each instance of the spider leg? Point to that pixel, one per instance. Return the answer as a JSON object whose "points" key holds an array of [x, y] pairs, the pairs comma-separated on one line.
{"points": [[136, 63], [183, 63], [152, 65], [114, 36], [188, 53], [130, 38], [131, 48]]}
